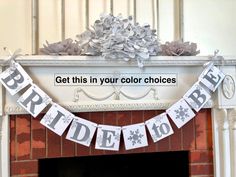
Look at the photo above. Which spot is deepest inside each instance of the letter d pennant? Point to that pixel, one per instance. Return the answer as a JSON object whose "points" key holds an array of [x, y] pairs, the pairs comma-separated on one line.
{"points": [[81, 131]]}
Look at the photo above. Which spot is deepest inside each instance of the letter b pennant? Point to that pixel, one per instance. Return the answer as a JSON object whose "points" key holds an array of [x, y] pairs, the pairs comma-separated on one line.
{"points": [[15, 78], [197, 97]]}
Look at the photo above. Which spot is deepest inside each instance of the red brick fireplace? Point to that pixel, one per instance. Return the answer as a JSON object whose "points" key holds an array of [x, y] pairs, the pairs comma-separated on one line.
{"points": [[31, 141]]}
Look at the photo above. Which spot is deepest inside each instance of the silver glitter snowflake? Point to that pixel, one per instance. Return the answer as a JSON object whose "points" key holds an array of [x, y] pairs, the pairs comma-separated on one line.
{"points": [[182, 113], [48, 118], [117, 137], [73, 125], [99, 140], [154, 137], [46, 99], [135, 137], [66, 119]]}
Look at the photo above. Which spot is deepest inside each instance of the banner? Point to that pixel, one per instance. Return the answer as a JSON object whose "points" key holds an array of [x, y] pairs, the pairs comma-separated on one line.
{"points": [[82, 131]]}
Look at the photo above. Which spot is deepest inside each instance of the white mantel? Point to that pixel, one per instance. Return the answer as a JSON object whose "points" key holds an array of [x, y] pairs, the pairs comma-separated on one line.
{"points": [[81, 98]]}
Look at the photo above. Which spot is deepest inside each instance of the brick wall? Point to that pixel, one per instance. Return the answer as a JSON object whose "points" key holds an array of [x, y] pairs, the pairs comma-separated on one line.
{"points": [[30, 141]]}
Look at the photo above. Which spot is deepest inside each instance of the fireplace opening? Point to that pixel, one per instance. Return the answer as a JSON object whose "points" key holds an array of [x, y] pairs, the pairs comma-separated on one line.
{"points": [[166, 164]]}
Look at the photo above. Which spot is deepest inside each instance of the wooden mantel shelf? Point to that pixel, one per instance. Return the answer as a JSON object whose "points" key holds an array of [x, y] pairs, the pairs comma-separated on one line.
{"points": [[46, 60]]}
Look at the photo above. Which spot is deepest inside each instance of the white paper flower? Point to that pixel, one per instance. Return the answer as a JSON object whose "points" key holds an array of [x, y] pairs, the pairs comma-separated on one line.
{"points": [[116, 37], [65, 47], [179, 48]]}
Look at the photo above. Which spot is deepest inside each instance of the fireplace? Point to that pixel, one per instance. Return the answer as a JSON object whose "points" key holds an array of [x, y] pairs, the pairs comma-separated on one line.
{"points": [[125, 165], [208, 139], [32, 144]]}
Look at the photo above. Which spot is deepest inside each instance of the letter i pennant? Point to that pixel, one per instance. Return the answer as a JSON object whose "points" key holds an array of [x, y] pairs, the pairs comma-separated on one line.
{"points": [[81, 131], [15, 78], [57, 119]]}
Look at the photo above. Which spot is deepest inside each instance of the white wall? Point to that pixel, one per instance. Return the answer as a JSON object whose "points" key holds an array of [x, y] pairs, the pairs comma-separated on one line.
{"points": [[210, 23]]}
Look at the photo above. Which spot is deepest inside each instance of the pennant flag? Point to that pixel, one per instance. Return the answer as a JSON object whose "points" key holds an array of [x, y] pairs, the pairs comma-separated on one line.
{"points": [[34, 100], [135, 136], [180, 113], [159, 127], [211, 77], [197, 97], [108, 137], [81, 131], [15, 78], [57, 119]]}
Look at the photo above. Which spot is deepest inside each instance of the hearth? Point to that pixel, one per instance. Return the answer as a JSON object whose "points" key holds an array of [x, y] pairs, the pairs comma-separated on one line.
{"points": [[32, 144], [166, 164]]}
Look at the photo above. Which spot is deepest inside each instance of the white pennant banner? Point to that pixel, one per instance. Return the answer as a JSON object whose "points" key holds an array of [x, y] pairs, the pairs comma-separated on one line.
{"points": [[180, 113], [135, 136], [34, 100], [15, 78], [57, 119], [159, 127], [81, 131], [197, 97], [108, 137]]}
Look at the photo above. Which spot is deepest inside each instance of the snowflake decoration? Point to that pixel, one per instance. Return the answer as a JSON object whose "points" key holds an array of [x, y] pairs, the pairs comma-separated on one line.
{"points": [[182, 113], [73, 125], [46, 99], [66, 119], [48, 118], [154, 137], [117, 137], [88, 141], [99, 140], [159, 119], [135, 137]]}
